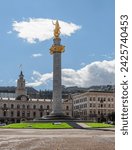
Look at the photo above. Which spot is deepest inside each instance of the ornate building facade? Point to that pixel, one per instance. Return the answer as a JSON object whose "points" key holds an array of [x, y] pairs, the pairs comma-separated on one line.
{"points": [[24, 108]]}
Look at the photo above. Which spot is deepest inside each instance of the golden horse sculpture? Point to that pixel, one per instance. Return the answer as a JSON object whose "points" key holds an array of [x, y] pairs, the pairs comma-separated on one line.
{"points": [[57, 29]]}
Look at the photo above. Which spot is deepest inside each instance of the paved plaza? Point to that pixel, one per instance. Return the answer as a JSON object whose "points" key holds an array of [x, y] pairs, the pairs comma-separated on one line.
{"points": [[57, 139]]}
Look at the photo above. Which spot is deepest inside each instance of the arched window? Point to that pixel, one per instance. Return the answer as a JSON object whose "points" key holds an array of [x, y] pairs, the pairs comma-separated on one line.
{"points": [[67, 107], [47, 106], [18, 106], [4, 105], [12, 106], [41, 107], [18, 113], [23, 106], [28, 106], [34, 106]]}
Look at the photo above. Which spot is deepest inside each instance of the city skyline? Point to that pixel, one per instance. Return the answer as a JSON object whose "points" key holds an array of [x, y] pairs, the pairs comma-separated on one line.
{"points": [[26, 36]]}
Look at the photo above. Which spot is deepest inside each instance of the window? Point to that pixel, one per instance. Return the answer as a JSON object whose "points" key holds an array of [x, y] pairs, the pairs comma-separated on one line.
{"points": [[5, 106], [12, 113], [12, 106], [41, 114], [23, 106], [34, 106], [34, 114], [94, 111], [94, 105], [85, 112], [98, 98], [18, 113], [90, 98], [85, 105], [28, 114], [67, 114], [98, 112], [108, 99], [101, 105], [18, 106], [23, 114], [41, 107], [85, 99], [90, 104], [47, 106], [67, 107], [109, 105], [93, 98], [28, 106], [4, 113]]}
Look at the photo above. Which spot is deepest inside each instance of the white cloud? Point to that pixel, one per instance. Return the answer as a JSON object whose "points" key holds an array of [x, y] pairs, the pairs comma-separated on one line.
{"points": [[36, 55], [40, 29], [96, 73], [39, 79]]}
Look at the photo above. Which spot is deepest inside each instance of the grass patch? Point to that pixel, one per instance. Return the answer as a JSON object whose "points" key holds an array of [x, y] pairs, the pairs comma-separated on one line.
{"points": [[63, 125], [99, 125]]}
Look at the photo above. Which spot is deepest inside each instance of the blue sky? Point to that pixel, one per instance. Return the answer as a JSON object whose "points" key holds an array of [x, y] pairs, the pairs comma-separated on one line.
{"points": [[88, 48]]}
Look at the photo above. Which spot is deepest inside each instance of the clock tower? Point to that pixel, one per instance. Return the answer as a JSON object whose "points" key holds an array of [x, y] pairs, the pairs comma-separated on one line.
{"points": [[21, 90]]}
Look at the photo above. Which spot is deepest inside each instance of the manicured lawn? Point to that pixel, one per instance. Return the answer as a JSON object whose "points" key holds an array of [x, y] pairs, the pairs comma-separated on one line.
{"points": [[99, 125], [38, 126]]}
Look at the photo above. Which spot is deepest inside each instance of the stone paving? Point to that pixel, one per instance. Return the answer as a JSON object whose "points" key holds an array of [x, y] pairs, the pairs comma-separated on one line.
{"points": [[56, 139]]}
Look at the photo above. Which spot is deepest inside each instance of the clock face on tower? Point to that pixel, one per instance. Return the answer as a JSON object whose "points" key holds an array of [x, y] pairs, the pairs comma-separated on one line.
{"points": [[23, 98]]}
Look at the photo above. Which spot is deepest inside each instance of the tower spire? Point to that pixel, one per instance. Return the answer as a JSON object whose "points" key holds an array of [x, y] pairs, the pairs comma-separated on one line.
{"points": [[21, 90]]}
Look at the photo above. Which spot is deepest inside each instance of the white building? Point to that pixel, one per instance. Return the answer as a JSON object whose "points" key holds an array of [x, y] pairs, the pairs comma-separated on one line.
{"points": [[93, 105]]}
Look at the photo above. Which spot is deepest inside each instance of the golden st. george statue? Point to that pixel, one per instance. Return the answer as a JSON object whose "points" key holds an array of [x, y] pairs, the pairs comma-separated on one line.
{"points": [[57, 29], [56, 47]]}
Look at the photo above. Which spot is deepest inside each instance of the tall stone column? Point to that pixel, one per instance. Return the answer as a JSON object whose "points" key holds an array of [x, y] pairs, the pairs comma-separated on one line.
{"points": [[56, 51], [57, 92]]}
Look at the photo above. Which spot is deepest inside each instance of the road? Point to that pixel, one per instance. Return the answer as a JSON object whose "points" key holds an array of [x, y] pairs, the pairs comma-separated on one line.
{"points": [[56, 139]]}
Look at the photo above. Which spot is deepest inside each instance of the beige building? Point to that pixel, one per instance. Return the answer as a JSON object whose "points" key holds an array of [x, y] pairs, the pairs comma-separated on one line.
{"points": [[93, 105], [24, 108], [12, 110]]}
